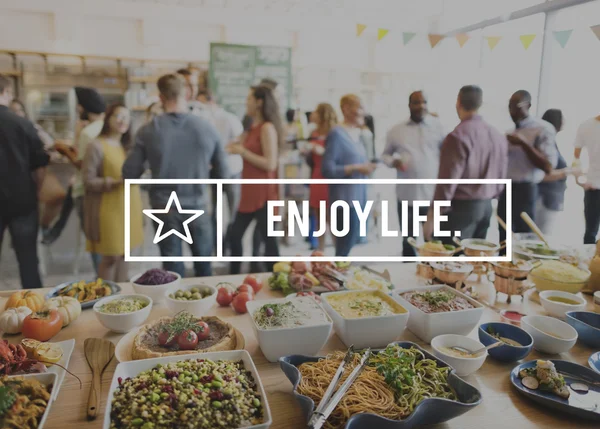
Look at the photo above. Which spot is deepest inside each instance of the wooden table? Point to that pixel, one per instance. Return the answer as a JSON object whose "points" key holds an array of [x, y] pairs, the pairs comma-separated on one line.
{"points": [[502, 406]]}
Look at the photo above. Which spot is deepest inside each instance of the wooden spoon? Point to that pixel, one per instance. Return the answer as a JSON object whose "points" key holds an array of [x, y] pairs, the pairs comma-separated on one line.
{"points": [[531, 224], [98, 353]]}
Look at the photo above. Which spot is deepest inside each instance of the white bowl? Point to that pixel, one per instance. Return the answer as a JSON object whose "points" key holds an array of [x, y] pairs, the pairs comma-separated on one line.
{"points": [[279, 342], [462, 365], [363, 332], [539, 328], [426, 326], [558, 309], [156, 292], [47, 379], [198, 308], [123, 322], [133, 368]]}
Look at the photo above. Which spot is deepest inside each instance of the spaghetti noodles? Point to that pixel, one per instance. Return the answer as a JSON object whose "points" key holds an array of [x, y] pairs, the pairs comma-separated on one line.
{"points": [[391, 385], [22, 403]]}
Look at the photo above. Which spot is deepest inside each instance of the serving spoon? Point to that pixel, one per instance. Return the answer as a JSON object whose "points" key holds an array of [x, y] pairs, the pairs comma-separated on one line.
{"points": [[478, 351]]}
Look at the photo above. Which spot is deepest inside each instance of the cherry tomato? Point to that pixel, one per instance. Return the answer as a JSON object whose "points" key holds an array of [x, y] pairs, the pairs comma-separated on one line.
{"points": [[187, 340], [255, 282], [311, 294], [42, 325], [203, 331], [224, 296], [244, 288], [240, 300], [163, 338]]}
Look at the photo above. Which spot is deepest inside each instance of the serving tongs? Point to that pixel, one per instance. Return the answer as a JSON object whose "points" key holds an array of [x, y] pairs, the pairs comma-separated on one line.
{"points": [[331, 399]]}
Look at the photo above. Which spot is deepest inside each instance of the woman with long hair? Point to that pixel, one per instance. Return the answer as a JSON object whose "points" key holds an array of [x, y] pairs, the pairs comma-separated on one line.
{"points": [[104, 199], [325, 118], [259, 151]]}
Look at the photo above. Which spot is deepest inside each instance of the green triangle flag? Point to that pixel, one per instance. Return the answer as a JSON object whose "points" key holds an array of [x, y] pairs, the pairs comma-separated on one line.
{"points": [[596, 30], [407, 37], [562, 37], [526, 40]]}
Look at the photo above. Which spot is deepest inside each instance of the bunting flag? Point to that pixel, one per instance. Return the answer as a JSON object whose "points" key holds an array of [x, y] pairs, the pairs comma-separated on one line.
{"points": [[526, 40], [562, 37], [381, 33], [596, 30], [407, 37], [359, 29], [492, 41], [434, 39], [462, 38]]}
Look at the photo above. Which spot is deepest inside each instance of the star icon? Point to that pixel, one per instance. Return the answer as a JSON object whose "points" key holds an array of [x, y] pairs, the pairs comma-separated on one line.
{"points": [[159, 235]]}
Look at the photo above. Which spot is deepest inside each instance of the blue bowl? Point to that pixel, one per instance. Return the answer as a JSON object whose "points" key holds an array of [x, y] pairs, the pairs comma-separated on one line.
{"points": [[506, 352], [587, 325], [594, 362], [428, 411]]}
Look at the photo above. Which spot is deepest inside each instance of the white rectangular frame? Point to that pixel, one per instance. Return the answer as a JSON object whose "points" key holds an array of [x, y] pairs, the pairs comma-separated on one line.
{"points": [[220, 182]]}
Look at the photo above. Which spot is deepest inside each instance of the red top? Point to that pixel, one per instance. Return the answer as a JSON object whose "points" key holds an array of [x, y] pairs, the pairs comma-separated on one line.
{"points": [[317, 192], [254, 197]]}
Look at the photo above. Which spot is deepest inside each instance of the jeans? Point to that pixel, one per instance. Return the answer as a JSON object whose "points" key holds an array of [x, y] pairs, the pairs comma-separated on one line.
{"points": [[470, 217], [79, 207], [343, 245], [202, 242], [232, 192], [591, 210], [24, 232], [238, 229], [407, 249], [524, 198]]}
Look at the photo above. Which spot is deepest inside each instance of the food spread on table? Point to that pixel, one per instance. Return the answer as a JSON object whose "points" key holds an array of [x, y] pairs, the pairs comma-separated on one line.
{"points": [[301, 311], [86, 291], [563, 300], [363, 279], [23, 402], [123, 305], [354, 305], [188, 394], [545, 377], [155, 277], [437, 246], [183, 334], [456, 352], [391, 385], [490, 330], [290, 277], [437, 301], [193, 294], [562, 272]]}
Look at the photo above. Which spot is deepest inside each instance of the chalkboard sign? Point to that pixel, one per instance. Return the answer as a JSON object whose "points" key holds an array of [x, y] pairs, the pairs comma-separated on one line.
{"points": [[235, 68]]}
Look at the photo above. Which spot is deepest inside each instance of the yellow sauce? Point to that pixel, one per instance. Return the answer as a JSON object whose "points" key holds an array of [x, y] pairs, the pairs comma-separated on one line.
{"points": [[456, 353], [563, 300], [364, 304]]}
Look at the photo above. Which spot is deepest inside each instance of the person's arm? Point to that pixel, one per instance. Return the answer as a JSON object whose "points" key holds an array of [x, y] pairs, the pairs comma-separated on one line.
{"points": [[332, 169], [269, 144], [561, 174], [38, 158], [134, 165], [92, 161], [536, 156], [390, 149], [218, 161], [453, 160]]}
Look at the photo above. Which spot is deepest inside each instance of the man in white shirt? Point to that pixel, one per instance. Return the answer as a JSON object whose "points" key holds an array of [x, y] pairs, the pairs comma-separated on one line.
{"points": [[588, 136], [230, 128], [413, 149]]}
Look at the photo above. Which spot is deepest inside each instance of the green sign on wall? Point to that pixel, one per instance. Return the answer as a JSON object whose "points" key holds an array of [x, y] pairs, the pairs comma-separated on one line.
{"points": [[234, 68]]}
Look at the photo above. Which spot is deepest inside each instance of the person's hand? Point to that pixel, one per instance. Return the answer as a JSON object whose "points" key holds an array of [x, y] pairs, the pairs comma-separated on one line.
{"points": [[514, 139], [400, 164], [235, 148], [428, 229], [366, 168], [576, 171], [66, 150]]}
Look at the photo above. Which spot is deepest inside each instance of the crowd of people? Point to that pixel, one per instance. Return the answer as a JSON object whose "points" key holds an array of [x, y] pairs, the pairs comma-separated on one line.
{"points": [[188, 136]]}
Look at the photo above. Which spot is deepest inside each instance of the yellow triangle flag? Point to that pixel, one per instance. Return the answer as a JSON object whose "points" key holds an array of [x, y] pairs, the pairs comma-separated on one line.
{"points": [[462, 38], [493, 41], [381, 33], [526, 40], [434, 39], [359, 29]]}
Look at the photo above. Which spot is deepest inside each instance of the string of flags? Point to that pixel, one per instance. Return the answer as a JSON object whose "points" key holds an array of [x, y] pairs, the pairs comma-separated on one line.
{"points": [[562, 37]]}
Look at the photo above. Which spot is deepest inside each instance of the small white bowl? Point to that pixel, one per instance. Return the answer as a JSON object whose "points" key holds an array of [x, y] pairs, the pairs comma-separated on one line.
{"points": [[123, 322], [156, 292], [377, 331], [462, 365], [540, 328], [558, 309], [198, 308], [279, 342]]}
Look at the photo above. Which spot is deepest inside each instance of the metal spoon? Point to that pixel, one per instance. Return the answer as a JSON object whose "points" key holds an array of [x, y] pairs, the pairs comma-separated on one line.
{"points": [[476, 352]]}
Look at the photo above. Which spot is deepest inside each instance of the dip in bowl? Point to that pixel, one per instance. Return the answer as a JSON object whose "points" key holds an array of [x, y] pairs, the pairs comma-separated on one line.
{"points": [[122, 313]]}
